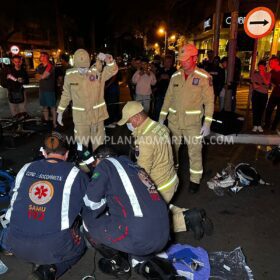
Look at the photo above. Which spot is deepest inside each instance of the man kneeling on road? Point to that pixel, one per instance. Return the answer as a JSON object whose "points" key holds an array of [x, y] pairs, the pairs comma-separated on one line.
{"points": [[123, 213], [153, 152], [46, 201]]}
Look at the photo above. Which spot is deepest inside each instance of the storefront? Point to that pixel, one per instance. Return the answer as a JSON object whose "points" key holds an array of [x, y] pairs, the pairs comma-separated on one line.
{"points": [[267, 45]]}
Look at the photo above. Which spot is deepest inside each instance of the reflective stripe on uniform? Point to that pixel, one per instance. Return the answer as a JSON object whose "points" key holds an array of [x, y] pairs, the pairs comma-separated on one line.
{"points": [[196, 171], [172, 110], [193, 112], [94, 205], [211, 119], [71, 71], [89, 160], [111, 64], [61, 108], [201, 74], [176, 74], [15, 190], [163, 113], [148, 127], [128, 188], [66, 197], [78, 108], [168, 184], [99, 105]]}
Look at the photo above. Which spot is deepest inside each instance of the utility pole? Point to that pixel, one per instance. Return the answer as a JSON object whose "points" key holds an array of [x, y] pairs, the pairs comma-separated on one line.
{"points": [[217, 27], [234, 7], [59, 28]]}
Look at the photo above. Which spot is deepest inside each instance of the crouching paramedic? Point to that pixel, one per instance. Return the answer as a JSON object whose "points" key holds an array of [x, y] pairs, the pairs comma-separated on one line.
{"points": [[123, 212], [153, 152], [46, 201], [85, 87]]}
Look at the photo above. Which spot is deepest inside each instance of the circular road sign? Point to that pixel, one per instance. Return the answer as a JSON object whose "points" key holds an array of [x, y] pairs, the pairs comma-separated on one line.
{"points": [[259, 22], [14, 49]]}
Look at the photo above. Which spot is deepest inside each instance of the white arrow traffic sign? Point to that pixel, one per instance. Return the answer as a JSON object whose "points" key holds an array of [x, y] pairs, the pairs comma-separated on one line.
{"points": [[259, 22]]}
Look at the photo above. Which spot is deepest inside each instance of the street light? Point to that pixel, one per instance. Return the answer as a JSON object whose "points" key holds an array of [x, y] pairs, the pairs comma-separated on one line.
{"points": [[163, 31]]}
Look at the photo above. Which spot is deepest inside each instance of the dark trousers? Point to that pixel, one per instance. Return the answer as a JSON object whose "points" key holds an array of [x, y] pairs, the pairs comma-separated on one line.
{"points": [[274, 101], [157, 107], [259, 101], [111, 97]]}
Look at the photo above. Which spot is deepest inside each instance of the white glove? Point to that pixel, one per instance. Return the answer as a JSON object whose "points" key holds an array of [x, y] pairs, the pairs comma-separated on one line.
{"points": [[161, 122], [59, 118], [101, 56], [205, 130]]}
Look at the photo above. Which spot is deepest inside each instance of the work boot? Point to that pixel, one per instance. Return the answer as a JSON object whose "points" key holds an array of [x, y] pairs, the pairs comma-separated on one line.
{"points": [[193, 219], [193, 187], [197, 221], [116, 266], [43, 272]]}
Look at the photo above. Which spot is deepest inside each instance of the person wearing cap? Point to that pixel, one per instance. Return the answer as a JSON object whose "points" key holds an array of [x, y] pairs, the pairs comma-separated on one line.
{"points": [[189, 99], [153, 152], [43, 215], [85, 87], [123, 213]]}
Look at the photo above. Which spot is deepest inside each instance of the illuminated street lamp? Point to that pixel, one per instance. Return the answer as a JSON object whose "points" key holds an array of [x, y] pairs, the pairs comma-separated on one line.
{"points": [[163, 31]]}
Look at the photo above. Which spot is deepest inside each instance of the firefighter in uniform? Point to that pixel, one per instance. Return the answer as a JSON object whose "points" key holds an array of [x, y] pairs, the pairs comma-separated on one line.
{"points": [[153, 152], [47, 199], [189, 97], [85, 87], [124, 212]]}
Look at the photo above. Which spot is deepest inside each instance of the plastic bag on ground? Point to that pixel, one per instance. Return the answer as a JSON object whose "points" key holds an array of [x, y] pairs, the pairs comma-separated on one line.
{"points": [[229, 266], [3, 268]]}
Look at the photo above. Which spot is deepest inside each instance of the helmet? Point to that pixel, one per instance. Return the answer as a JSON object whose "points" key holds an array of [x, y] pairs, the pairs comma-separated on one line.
{"points": [[187, 51], [246, 174], [81, 58]]}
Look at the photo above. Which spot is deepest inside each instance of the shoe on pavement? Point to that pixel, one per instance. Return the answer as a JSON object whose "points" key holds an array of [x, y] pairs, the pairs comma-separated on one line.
{"points": [[193, 187], [260, 129], [193, 219], [255, 129], [197, 221], [43, 272], [116, 266]]}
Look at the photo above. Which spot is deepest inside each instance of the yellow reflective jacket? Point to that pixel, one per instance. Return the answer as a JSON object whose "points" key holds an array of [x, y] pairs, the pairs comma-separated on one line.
{"points": [[186, 101], [87, 94], [154, 153]]}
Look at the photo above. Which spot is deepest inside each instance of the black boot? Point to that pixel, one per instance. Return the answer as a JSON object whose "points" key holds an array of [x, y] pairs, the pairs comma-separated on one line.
{"points": [[116, 266], [197, 221], [43, 272], [193, 187], [193, 220]]}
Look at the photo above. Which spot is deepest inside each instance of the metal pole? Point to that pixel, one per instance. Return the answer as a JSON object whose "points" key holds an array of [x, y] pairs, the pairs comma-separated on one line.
{"points": [[165, 41], [231, 54], [253, 64], [217, 27]]}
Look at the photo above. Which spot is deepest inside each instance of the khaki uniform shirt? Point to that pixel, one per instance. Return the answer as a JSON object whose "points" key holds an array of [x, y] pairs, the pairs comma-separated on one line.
{"points": [[154, 153], [87, 93], [187, 100]]}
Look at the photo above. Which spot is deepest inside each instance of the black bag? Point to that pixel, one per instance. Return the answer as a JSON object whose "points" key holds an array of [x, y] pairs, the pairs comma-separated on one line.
{"points": [[232, 123], [16, 97]]}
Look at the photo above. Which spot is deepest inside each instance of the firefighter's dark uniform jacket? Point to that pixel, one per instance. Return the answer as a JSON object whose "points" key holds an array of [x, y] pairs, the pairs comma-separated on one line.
{"points": [[47, 198], [124, 210]]}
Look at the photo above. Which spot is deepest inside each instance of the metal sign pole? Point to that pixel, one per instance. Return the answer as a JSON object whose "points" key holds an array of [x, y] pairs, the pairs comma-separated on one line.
{"points": [[253, 63]]}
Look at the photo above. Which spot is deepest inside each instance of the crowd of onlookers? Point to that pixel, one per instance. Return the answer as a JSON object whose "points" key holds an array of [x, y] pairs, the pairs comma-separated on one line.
{"points": [[148, 82]]}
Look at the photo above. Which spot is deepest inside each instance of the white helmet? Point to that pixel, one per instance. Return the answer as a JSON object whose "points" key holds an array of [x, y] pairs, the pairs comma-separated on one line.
{"points": [[81, 59]]}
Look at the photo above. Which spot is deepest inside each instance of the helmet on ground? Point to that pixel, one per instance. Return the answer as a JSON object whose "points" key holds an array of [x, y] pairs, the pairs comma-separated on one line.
{"points": [[81, 59], [246, 174]]}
